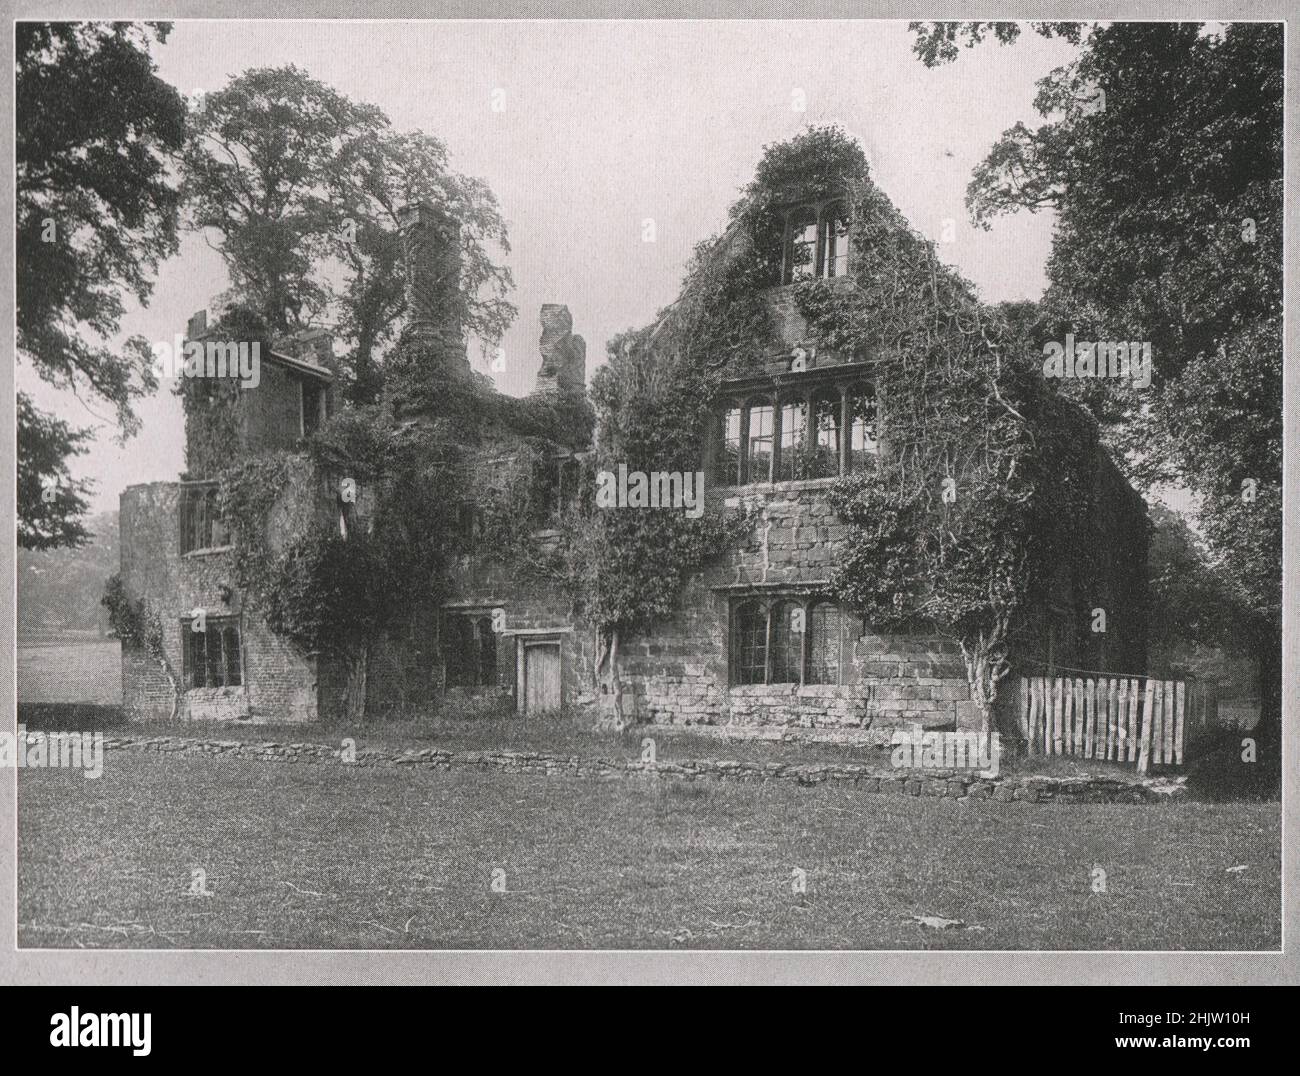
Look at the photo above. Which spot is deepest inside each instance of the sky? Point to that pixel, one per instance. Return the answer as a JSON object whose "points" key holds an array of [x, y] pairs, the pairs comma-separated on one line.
{"points": [[607, 125]]}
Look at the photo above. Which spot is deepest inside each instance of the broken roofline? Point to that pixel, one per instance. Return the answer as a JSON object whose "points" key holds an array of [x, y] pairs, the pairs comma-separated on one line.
{"points": [[304, 366], [198, 331]]}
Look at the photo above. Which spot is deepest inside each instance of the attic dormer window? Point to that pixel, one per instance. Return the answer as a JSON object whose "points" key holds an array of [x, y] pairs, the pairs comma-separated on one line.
{"points": [[816, 242], [801, 245], [834, 241]]}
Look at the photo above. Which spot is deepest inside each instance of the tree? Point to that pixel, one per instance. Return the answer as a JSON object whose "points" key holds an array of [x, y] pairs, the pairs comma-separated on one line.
{"points": [[385, 173], [303, 186], [1161, 154], [257, 164], [97, 131], [937, 42], [51, 503], [1192, 604]]}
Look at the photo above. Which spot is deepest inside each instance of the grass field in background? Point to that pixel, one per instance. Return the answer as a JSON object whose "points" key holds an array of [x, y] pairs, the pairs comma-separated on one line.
{"points": [[81, 670]]}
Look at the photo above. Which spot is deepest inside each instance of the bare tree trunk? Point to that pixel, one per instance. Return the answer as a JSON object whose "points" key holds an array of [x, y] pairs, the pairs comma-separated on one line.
{"points": [[166, 667], [1268, 730], [985, 656], [354, 691], [609, 689]]}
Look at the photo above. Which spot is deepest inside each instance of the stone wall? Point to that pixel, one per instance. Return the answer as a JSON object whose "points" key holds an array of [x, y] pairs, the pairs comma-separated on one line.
{"points": [[532, 609], [680, 674], [790, 328], [265, 419], [279, 682], [953, 784], [564, 355], [270, 416]]}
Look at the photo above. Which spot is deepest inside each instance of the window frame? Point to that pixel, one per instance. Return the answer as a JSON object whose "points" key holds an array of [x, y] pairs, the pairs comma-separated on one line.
{"points": [[810, 619], [869, 425], [831, 214], [204, 500], [191, 666], [760, 402], [786, 647], [821, 216], [768, 607], [795, 468], [800, 221], [725, 466], [739, 648], [476, 667], [829, 401], [322, 407], [842, 392]]}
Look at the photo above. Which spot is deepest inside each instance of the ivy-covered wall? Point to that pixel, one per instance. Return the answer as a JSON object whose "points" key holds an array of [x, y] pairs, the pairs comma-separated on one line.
{"points": [[1103, 567], [992, 528], [240, 423], [280, 682], [679, 673], [940, 594]]}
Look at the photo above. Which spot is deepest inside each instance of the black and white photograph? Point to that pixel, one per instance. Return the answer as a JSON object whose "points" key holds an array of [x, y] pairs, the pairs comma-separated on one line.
{"points": [[661, 485]]}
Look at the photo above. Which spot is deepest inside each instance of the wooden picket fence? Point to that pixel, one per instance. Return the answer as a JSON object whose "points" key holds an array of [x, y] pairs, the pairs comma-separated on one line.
{"points": [[1120, 719]]}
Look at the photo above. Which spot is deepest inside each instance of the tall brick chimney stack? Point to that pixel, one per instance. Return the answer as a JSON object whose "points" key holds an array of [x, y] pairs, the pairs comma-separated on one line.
{"points": [[431, 250], [432, 346], [564, 356]]}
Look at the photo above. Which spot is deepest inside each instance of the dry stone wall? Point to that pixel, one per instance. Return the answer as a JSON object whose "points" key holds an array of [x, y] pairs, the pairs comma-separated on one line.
{"points": [[864, 778]]}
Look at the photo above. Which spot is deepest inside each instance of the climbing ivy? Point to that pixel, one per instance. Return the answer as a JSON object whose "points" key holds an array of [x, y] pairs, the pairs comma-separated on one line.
{"points": [[209, 403], [138, 624], [988, 476], [398, 486], [627, 567]]}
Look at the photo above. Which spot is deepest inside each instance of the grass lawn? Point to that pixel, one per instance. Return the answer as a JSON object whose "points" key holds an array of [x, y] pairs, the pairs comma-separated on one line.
{"points": [[303, 856]]}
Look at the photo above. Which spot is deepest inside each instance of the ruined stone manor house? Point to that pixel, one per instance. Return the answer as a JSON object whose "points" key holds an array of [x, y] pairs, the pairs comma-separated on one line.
{"points": [[787, 423]]}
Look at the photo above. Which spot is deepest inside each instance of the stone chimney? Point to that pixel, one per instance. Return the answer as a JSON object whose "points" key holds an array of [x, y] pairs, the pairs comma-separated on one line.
{"points": [[431, 250], [431, 349], [564, 356], [196, 328]]}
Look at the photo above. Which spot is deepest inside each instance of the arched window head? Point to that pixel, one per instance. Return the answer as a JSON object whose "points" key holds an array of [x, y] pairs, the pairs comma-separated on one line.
{"points": [[787, 642]]}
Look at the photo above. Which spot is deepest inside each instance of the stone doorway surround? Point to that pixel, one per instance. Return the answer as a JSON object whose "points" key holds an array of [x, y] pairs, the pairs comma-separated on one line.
{"points": [[539, 669]]}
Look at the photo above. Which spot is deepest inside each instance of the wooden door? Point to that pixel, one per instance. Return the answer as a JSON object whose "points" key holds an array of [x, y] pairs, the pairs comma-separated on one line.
{"points": [[541, 677]]}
